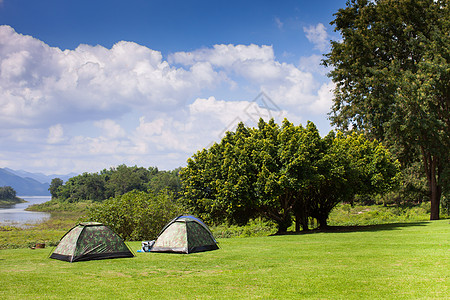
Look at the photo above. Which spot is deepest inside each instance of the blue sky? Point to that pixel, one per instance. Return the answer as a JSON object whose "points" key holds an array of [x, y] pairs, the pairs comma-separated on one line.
{"points": [[87, 85]]}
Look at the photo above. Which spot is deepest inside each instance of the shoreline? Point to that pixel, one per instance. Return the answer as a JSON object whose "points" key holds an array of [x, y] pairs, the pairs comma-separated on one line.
{"points": [[6, 203]]}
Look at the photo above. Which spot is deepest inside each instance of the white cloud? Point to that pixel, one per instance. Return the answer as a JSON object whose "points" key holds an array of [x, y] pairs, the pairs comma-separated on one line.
{"points": [[110, 128], [318, 36], [56, 134], [225, 56], [285, 83], [224, 112], [92, 107], [323, 103], [88, 82], [162, 134], [313, 64]]}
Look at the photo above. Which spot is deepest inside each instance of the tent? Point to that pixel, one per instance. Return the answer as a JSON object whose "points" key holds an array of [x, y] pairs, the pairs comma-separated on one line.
{"points": [[88, 241], [185, 234]]}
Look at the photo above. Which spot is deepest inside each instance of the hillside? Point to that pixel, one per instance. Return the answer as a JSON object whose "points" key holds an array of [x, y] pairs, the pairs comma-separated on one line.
{"points": [[40, 177], [24, 186]]}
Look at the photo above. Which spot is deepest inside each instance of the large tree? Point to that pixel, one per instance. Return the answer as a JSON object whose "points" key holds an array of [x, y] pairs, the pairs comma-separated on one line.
{"points": [[282, 173], [392, 75], [54, 185]]}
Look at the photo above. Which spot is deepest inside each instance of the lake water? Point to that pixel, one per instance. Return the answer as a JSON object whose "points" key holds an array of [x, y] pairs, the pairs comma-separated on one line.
{"points": [[16, 215]]}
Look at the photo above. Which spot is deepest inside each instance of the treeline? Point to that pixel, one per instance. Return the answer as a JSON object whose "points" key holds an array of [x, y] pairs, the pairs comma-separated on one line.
{"points": [[114, 182]]}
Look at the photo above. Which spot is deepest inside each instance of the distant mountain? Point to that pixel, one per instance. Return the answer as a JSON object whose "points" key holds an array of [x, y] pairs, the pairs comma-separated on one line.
{"points": [[29, 184], [42, 178], [23, 186]]}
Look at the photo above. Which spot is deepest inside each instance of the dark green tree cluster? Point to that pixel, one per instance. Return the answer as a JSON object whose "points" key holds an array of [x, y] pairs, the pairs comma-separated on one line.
{"points": [[392, 73], [114, 182], [136, 215], [284, 173], [8, 195]]}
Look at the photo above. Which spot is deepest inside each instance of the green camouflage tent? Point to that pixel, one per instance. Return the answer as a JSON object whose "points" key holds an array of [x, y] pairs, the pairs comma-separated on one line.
{"points": [[88, 241], [185, 234]]}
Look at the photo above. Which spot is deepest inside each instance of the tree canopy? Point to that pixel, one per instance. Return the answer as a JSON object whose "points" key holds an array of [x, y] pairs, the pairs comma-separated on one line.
{"points": [[114, 182], [8, 196], [392, 75], [281, 173]]}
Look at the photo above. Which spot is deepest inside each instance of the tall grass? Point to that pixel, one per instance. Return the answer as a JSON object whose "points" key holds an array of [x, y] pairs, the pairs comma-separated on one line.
{"points": [[347, 215]]}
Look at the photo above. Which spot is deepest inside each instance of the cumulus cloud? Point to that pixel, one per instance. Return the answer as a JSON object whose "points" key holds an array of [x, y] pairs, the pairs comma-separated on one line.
{"points": [[323, 103], [225, 56], [312, 64], [285, 83], [92, 107], [88, 82], [318, 36]]}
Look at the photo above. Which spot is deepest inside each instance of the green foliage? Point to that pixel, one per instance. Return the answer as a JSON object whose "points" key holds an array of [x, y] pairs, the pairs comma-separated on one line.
{"points": [[136, 215], [361, 215], [445, 205], [57, 206], [8, 196], [392, 75], [114, 182], [54, 186], [7, 193], [277, 173], [254, 228], [165, 180]]}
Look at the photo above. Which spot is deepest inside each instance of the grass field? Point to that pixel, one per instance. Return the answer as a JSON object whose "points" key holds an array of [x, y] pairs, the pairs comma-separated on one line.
{"points": [[393, 261]]}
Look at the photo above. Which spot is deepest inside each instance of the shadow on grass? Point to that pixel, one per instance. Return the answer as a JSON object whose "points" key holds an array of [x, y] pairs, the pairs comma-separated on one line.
{"points": [[358, 228]]}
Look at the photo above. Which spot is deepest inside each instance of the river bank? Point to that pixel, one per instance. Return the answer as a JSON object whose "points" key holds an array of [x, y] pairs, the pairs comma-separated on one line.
{"points": [[48, 230], [17, 215], [6, 203]]}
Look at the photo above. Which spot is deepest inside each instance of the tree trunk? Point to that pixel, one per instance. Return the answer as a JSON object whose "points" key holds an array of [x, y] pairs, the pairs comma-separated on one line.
{"points": [[283, 225], [432, 170], [283, 220], [300, 220], [435, 199], [301, 217], [323, 224]]}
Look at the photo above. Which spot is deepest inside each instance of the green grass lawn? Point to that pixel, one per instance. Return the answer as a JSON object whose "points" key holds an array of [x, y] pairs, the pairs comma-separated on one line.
{"points": [[393, 261]]}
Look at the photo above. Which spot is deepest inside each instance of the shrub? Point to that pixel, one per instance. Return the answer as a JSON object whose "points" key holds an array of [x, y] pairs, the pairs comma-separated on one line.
{"points": [[445, 204], [253, 228], [136, 215]]}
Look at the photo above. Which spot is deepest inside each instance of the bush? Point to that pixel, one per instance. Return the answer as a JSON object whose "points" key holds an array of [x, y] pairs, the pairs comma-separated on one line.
{"points": [[136, 215], [445, 204], [56, 206], [253, 228]]}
